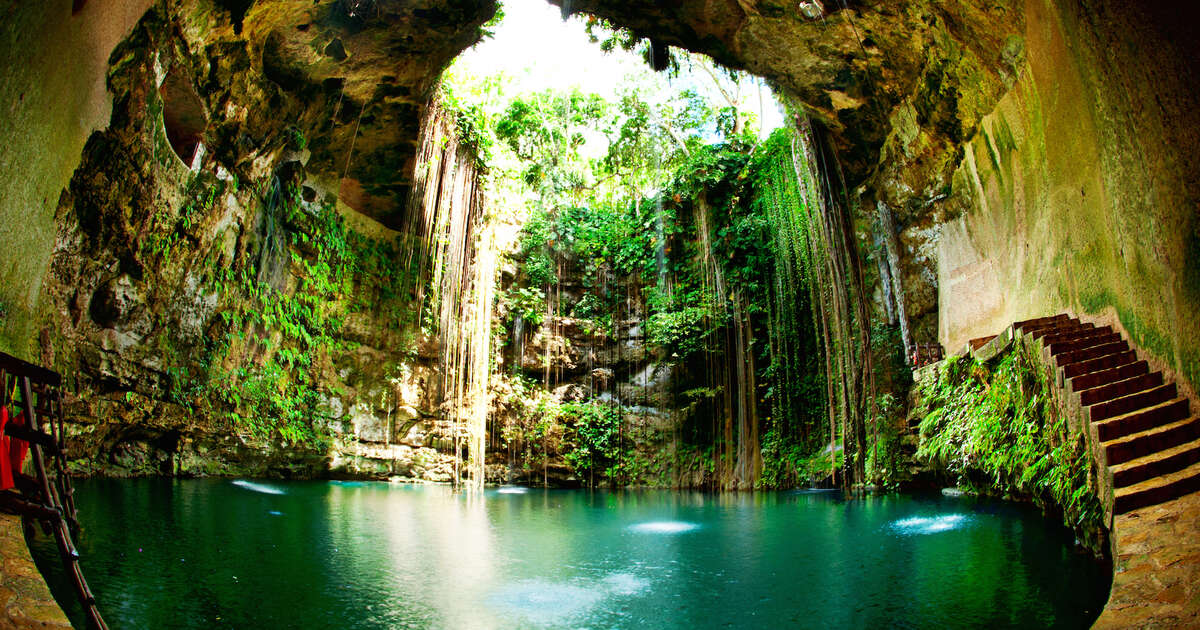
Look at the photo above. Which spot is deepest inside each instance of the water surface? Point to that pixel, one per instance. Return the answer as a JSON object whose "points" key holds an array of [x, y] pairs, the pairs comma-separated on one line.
{"points": [[163, 553]]}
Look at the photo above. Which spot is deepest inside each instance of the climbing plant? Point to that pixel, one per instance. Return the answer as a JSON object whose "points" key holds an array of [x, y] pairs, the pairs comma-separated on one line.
{"points": [[994, 427], [260, 372]]}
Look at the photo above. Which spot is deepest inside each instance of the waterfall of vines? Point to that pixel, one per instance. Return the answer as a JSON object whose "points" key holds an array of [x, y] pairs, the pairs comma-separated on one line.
{"points": [[685, 310], [454, 259], [379, 279], [655, 281]]}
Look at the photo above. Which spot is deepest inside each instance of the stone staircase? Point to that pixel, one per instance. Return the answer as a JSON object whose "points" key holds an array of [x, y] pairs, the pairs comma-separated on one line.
{"points": [[1147, 435]]}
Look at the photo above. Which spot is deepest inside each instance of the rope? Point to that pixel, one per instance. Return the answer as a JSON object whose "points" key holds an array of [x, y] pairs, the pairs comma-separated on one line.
{"points": [[353, 138]]}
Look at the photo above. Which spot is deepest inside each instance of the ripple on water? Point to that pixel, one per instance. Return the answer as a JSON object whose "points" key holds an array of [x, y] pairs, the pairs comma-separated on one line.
{"points": [[928, 524], [513, 490], [664, 527], [625, 584], [257, 487], [547, 603], [544, 602]]}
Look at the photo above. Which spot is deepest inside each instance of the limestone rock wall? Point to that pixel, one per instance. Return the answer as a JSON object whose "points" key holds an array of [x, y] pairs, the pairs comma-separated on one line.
{"points": [[216, 305], [1031, 156], [1079, 192], [54, 95], [670, 410]]}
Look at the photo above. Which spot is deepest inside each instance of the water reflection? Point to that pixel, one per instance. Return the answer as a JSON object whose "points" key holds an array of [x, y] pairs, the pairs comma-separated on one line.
{"points": [[257, 487], [664, 527], [929, 524], [369, 556]]}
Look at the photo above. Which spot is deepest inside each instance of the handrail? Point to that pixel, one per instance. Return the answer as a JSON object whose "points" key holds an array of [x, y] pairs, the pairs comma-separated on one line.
{"points": [[37, 374], [48, 496], [922, 354]]}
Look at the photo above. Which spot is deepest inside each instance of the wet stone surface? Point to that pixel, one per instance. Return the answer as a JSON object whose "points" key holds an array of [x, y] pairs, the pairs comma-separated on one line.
{"points": [[24, 597], [1156, 581]]}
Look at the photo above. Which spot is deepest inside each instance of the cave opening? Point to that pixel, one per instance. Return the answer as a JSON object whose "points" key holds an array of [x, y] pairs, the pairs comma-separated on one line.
{"points": [[183, 116], [591, 260], [616, 165]]}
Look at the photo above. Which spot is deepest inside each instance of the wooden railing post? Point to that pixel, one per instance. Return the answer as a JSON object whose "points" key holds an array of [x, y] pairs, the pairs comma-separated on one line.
{"points": [[50, 501]]}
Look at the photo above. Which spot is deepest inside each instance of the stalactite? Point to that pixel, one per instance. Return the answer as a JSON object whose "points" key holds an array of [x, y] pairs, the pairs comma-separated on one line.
{"points": [[891, 242], [885, 278]]}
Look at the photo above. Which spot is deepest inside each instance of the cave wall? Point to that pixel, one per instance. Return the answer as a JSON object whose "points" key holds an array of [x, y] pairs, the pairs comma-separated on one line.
{"points": [[352, 77], [575, 360], [1081, 192], [1033, 156], [1028, 157], [179, 289], [54, 95]]}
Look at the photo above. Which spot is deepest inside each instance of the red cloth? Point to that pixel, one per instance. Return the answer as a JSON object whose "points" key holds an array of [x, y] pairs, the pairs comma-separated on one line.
{"points": [[6, 476], [17, 448]]}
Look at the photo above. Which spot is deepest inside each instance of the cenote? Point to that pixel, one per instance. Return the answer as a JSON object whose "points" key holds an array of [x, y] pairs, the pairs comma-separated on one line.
{"points": [[572, 295], [249, 554]]}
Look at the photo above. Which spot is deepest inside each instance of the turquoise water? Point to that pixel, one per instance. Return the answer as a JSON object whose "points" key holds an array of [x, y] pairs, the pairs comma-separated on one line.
{"points": [[166, 553]]}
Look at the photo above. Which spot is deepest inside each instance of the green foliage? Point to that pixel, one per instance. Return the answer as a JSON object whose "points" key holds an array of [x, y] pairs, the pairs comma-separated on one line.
{"points": [[649, 138], [998, 428], [488, 29], [795, 375], [534, 250], [527, 303], [533, 431], [593, 434], [170, 229], [546, 131], [295, 138], [672, 219], [785, 463], [884, 456], [681, 327], [290, 331], [610, 37], [473, 124], [747, 195]]}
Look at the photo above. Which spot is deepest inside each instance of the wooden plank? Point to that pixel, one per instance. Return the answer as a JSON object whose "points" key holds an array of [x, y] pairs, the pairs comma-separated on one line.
{"points": [[16, 367]]}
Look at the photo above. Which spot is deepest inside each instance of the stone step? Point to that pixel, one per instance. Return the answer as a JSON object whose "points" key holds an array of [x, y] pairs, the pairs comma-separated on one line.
{"points": [[1160, 463], [1157, 490], [1152, 440], [1071, 334], [1099, 378], [980, 342], [1080, 340], [1057, 328], [1093, 352], [1126, 404], [1142, 419], [1117, 389], [1099, 363], [1030, 327], [1040, 321]]}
